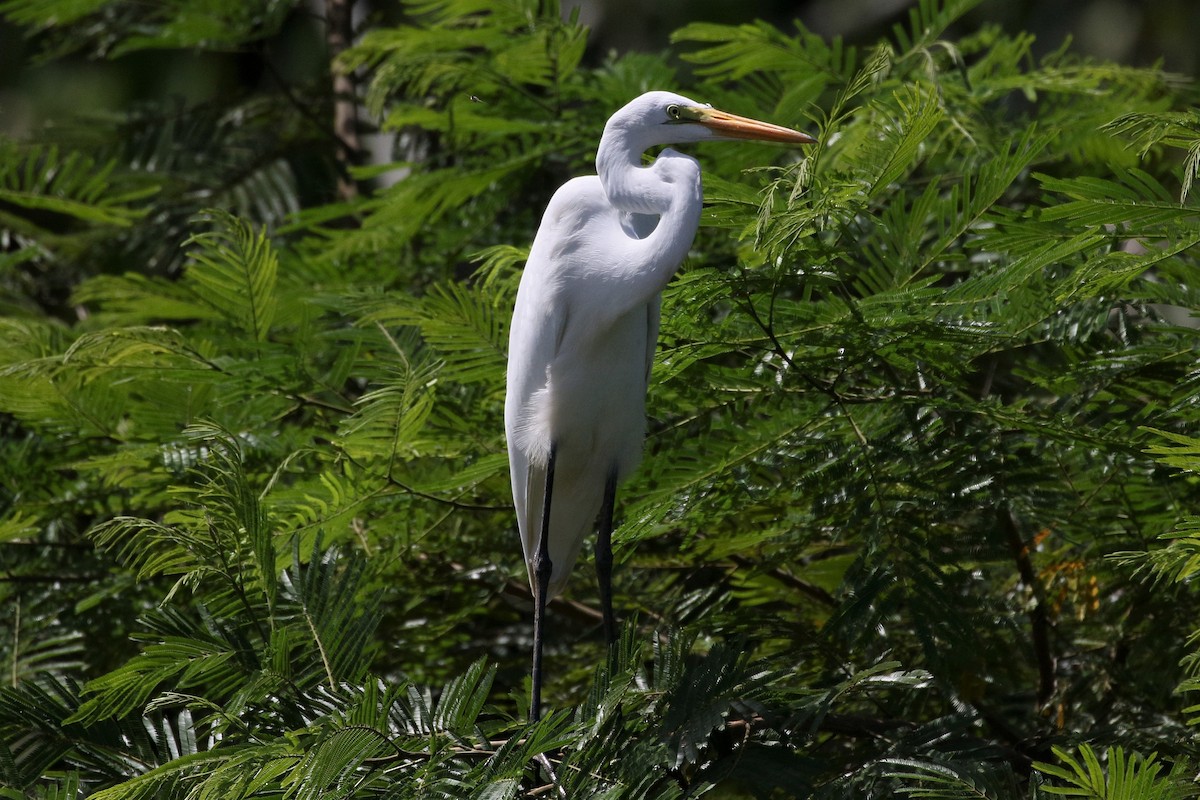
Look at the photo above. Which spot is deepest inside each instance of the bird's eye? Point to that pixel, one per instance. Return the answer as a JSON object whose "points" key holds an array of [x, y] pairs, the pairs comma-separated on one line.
{"points": [[673, 111]]}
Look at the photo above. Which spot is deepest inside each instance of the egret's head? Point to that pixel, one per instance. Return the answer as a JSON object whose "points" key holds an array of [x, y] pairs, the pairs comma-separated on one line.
{"points": [[666, 118]]}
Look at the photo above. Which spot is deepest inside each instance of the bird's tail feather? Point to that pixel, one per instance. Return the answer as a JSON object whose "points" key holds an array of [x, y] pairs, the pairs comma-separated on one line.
{"points": [[574, 506]]}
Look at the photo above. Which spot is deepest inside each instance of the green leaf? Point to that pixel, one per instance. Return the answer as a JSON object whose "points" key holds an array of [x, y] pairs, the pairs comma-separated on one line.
{"points": [[232, 270], [42, 179]]}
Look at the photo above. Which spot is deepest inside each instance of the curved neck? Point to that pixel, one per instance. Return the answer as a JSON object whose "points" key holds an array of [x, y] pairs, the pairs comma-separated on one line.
{"points": [[630, 186], [661, 206]]}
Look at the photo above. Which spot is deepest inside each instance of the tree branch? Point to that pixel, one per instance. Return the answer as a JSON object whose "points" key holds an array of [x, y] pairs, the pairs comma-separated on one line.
{"points": [[1039, 620], [339, 33]]}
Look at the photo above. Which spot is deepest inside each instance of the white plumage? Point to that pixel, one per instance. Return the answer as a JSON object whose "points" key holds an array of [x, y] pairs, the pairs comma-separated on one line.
{"points": [[586, 319]]}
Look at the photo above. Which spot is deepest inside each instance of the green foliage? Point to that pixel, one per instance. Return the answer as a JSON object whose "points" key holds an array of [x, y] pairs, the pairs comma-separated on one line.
{"points": [[1127, 778], [72, 185], [116, 27], [917, 514]]}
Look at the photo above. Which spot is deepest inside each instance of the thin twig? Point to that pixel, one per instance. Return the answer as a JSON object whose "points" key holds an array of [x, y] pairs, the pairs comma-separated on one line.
{"points": [[790, 580], [553, 779]]}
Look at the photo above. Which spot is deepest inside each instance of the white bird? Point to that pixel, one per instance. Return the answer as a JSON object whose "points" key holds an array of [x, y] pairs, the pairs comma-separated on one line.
{"points": [[584, 329]]}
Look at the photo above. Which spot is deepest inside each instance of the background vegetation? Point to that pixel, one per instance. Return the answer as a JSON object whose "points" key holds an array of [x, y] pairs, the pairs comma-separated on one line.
{"points": [[917, 511]]}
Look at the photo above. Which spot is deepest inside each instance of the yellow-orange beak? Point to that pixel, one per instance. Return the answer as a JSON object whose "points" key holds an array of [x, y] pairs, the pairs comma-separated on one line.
{"points": [[731, 126]]}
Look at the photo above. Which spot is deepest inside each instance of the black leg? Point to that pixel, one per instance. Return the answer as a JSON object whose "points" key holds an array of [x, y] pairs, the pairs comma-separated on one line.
{"points": [[541, 571], [604, 558]]}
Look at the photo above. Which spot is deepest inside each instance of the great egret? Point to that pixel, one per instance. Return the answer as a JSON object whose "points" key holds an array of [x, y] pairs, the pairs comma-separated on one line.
{"points": [[584, 329]]}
